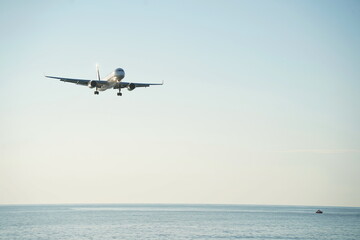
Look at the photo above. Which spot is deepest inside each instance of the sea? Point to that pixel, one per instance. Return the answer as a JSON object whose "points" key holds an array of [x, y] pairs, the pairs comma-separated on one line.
{"points": [[177, 221]]}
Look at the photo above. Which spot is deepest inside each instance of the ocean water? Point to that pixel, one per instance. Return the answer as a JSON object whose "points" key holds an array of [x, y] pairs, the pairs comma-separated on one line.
{"points": [[159, 221]]}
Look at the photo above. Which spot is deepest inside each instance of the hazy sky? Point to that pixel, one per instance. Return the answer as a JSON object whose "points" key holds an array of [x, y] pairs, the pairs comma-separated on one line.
{"points": [[260, 105]]}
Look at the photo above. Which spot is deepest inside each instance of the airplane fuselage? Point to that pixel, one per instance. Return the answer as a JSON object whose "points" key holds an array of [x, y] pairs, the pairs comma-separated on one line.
{"points": [[113, 78]]}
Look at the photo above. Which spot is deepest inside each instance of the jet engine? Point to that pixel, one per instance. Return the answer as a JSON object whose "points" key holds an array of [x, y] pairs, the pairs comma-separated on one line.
{"points": [[131, 86], [92, 84]]}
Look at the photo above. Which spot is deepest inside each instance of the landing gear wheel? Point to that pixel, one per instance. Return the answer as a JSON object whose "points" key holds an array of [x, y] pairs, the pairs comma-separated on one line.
{"points": [[119, 94], [96, 93]]}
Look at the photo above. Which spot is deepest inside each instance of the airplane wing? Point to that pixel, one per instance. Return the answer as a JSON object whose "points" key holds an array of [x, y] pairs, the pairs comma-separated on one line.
{"points": [[126, 84], [83, 82]]}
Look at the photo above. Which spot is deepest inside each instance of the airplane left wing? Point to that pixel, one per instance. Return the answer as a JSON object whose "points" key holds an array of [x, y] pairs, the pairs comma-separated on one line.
{"points": [[83, 82], [127, 84]]}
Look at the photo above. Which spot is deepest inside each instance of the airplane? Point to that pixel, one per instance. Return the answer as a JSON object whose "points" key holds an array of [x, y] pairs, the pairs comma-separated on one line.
{"points": [[111, 81]]}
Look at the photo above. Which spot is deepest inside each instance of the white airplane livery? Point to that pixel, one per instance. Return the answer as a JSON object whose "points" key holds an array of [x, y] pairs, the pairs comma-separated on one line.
{"points": [[114, 80]]}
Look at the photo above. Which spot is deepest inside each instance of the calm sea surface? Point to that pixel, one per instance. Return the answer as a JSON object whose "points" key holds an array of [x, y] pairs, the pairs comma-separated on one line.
{"points": [[177, 222]]}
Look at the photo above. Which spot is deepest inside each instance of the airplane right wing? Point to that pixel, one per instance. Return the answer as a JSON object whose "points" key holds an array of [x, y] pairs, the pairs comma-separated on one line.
{"points": [[83, 82]]}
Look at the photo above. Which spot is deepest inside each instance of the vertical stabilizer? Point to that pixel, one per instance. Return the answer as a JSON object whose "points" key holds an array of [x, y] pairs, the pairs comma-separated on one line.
{"points": [[97, 72]]}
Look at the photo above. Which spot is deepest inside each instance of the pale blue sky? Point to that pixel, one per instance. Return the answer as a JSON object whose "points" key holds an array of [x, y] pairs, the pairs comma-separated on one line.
{"points": [[260, 103]]}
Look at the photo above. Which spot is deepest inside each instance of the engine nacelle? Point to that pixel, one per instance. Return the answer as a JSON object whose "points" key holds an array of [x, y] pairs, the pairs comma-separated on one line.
{"points": [[92, 84], [131, 86]]}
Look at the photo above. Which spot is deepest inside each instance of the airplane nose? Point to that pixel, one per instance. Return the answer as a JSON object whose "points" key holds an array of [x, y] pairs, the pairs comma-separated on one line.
{"points": [[119, 74]]}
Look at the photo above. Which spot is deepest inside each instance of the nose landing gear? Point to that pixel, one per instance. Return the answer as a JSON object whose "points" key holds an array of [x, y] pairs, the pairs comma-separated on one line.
{"points": [[119, 93]]}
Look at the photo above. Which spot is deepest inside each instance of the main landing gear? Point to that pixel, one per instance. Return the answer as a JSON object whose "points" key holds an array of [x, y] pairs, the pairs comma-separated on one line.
{"points": [[96, 92], [119, 93]]}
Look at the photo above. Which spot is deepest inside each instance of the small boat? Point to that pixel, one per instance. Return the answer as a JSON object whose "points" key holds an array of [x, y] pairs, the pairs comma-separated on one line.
{"points": [[319, 211]]}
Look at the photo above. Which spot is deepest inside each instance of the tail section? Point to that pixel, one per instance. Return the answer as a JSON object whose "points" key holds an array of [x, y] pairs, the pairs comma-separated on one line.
{"points": [[97, 72]]}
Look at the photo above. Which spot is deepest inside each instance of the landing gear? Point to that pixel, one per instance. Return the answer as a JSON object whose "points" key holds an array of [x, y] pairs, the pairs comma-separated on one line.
{"points": [[96, 92], [119, 94]]}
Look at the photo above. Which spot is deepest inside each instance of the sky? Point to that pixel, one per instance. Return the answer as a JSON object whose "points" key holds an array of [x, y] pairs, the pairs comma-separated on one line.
{"points": [[260, 104]]}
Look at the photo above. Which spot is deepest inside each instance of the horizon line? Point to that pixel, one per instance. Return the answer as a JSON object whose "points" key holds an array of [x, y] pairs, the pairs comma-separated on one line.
{"points": [[194, 204]]}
